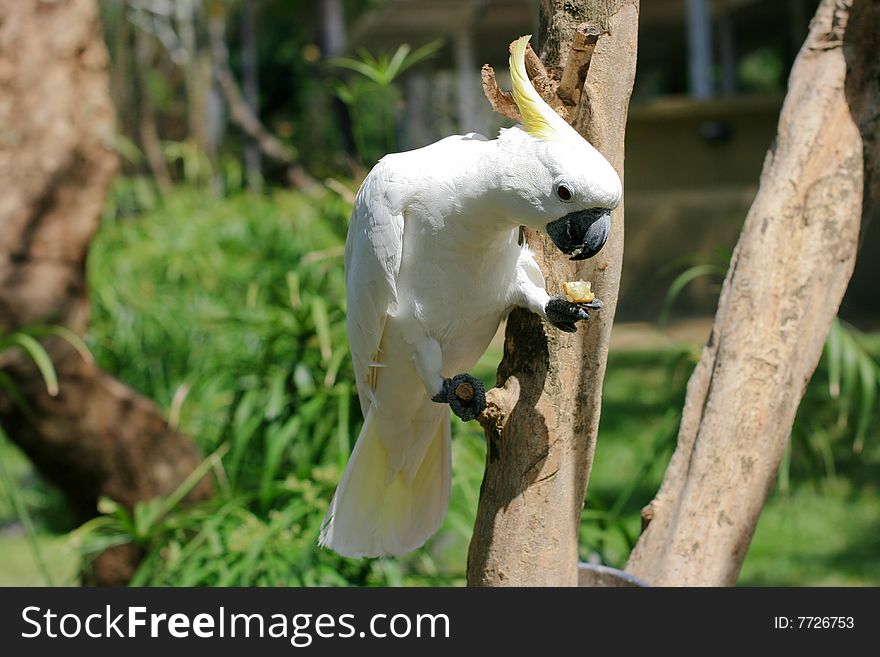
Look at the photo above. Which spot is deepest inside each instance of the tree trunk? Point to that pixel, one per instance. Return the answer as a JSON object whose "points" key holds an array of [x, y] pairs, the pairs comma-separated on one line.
{"points": [[97, 436], [540, 451], [786, 280]]}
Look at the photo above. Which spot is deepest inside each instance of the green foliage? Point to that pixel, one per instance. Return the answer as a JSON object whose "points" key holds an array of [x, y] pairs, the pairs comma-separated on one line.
{"points": [[384, 69], [762, 70], [714, 266], [26, 342], [372, 99], [818, 536], [20, 508], [839, 412], [136, 194], [853, 377], [641, 409]]}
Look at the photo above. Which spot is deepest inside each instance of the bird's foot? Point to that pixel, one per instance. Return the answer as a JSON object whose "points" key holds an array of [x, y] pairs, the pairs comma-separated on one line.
{"points": [[465, 395], [563, 314]]}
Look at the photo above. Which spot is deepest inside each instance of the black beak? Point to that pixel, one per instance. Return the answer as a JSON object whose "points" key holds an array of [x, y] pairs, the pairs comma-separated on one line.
{"points": [[581, 234]]}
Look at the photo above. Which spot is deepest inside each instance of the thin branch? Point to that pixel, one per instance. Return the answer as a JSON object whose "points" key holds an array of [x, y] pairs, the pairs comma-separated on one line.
{"points": [[499, 405], [153, 24], [158, 7], [578, 64], [346, 194], [543, 82], [246, 119], [144, 50], [501, 101]]}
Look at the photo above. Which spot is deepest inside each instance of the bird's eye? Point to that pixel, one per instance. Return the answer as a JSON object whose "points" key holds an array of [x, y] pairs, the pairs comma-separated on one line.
{"points": [[563, 193]]}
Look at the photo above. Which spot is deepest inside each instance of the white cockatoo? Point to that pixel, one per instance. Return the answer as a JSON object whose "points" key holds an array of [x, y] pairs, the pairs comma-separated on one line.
{"points": [[433, 264]]}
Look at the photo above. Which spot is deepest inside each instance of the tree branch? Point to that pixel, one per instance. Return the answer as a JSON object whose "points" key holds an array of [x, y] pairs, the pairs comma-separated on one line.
{"points": [[245, 118], [501, 101], [499, 405], [578, 64], [543, 82]]}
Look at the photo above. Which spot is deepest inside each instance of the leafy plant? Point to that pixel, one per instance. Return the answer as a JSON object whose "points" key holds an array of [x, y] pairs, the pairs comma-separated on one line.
{"points": [[610, 527], [853, 378], [714, 266], [839, 411], [135, 194], [384, 69], [25, 341], [762, 69], [372, 98]]}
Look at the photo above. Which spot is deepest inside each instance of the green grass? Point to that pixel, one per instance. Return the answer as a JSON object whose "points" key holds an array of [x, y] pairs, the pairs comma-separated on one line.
{"points": [[817, 536], [18, 563], [642, 399], [18, 567]]}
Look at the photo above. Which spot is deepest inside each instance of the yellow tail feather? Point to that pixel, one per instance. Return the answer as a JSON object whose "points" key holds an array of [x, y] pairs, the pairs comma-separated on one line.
{"points": [[378, 511]]}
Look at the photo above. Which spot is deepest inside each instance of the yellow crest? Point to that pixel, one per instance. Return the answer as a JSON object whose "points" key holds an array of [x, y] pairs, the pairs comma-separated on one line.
{"points": [[538, 118]]}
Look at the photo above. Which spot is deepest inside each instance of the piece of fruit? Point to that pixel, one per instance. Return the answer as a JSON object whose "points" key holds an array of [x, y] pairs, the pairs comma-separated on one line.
{"points": [[578, 291]]}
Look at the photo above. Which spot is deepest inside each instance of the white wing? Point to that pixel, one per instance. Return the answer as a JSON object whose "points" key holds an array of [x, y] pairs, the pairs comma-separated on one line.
{"points": [[373, 251]]}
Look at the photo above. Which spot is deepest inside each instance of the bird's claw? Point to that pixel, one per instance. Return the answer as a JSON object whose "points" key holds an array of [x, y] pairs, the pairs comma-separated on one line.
{"points": [[563, 314], [465, 394]]}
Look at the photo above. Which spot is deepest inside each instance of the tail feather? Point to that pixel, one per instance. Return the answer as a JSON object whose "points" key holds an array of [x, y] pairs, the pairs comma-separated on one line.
{"points": [[382, 509]]}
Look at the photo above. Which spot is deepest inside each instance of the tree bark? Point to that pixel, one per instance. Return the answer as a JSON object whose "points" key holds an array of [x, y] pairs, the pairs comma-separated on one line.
{"points": [[786, 279], [540, 448], [97, 436]]}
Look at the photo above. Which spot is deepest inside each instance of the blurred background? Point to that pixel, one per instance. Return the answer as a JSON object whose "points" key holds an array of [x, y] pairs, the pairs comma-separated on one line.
{"points": [[244, 129]]}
